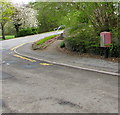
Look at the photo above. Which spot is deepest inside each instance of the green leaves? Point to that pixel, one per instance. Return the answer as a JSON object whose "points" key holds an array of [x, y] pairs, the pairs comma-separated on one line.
{"points": [[6, 11]]}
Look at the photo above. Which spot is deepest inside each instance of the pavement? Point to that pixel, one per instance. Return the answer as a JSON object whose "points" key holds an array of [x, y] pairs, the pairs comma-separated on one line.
{"points": [[54, 55], [32, 85]]}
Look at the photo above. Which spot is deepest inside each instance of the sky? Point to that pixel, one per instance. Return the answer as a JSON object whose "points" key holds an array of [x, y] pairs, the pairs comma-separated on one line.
{"points": [[21, 1]]}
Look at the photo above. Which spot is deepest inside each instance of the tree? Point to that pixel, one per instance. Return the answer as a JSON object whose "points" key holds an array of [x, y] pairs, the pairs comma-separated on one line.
{"points": [[23, 17], [50, 14], [6, 11], [101, 15], [16, 19]]}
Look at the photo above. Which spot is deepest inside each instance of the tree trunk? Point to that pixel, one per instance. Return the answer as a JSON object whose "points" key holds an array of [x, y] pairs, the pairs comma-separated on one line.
{"points": [[17, 26], [3, 34]]}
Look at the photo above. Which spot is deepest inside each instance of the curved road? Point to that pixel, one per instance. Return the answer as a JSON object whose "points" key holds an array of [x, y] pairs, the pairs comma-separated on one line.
{"points": [[34, 86]]}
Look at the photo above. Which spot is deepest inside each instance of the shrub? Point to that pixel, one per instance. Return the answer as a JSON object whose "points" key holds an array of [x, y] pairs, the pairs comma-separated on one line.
{"points": [[27, 31], [115, 47], [114, 50], [83, 39], [62, 44]]}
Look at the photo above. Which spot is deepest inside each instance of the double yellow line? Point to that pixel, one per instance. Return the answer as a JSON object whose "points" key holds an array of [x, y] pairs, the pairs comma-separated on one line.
{"points": [[17, 46], [19, 55], [45, 64], [21, 45], [24, 58]]}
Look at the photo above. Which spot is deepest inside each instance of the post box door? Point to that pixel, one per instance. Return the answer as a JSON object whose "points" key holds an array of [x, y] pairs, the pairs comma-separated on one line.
{"points": [[105, 39]]}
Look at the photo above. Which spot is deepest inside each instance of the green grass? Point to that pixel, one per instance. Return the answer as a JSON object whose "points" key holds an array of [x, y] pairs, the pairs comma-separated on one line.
{"points": [[45, 39], [8, 37]]}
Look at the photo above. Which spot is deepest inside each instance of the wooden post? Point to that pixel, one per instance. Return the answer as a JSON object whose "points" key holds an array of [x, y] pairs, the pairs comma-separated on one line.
{"points": [[106, 52]]}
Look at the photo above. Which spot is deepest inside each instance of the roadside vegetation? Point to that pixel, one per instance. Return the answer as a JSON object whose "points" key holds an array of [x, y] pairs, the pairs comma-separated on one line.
{"points": [[8, 37], [40, 42], [62, 44], [83, 22], [43, 43]]}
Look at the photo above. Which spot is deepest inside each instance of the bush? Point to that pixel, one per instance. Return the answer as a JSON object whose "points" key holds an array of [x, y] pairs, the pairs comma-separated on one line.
{"points": [[83, 39], [62, 44], [114, 50], [27, 31]]}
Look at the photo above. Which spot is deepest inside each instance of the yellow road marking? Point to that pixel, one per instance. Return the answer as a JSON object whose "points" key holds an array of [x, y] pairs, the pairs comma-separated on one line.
{"points": [[45, 64], [17, 46], [24, 58], [21, 45]]}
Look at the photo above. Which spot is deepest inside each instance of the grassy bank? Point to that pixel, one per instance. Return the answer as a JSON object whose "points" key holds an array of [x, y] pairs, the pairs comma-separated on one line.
{"points": [[40, 42], [43, 43], [8, 37]]}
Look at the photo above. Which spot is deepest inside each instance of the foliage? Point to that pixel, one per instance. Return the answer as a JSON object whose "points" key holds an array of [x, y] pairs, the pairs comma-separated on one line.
{"points": [[6, 11], [74, 17], [81, 38], [53, 14], [85, 39], [101, 15], [114, 32], [114, 50], [62, 44], [27, 31], [50, 14], [45, 39], [24, 17], [9, 28], [84, 22], [16, 19]]}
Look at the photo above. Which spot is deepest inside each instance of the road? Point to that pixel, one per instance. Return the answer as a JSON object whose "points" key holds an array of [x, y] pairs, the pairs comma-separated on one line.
{"points": [[32, 86]]}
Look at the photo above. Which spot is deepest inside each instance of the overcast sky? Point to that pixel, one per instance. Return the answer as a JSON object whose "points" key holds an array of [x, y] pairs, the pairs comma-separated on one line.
{"points": [[21, 1]]}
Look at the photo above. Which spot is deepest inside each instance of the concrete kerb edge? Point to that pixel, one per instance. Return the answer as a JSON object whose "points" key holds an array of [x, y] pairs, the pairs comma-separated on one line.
{"points": [[67, 65]]}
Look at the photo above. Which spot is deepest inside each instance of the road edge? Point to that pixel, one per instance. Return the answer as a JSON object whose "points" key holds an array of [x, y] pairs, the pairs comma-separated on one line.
{"points": [[62, 64]]}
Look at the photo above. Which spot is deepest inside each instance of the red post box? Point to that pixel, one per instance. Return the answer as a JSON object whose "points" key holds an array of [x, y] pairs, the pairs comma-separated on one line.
{"points": [[106, 39]]}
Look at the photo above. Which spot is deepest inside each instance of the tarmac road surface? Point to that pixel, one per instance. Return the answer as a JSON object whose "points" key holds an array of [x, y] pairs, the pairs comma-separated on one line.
{"points": [[32, 86]]}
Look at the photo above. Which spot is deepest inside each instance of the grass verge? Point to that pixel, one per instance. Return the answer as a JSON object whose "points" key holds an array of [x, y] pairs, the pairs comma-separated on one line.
{"points": [[40, 42], [8, 37]]}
